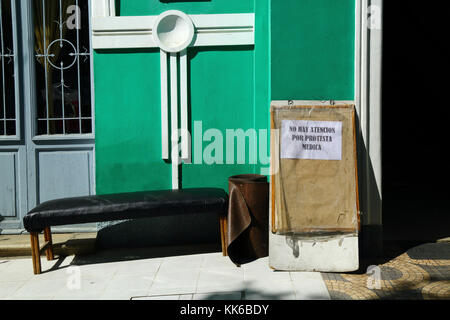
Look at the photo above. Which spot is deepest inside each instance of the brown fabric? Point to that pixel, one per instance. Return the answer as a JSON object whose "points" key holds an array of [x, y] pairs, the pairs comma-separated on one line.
{"points": [[317, 196], [248, 215]]}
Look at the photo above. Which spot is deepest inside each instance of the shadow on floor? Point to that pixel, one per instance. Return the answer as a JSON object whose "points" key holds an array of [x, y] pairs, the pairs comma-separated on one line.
{"points": [[127, 254], [416, 250]]}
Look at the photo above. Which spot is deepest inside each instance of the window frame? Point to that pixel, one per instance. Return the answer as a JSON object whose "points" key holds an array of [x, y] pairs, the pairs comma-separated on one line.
{"points": [[34, 119], [15, 52]]}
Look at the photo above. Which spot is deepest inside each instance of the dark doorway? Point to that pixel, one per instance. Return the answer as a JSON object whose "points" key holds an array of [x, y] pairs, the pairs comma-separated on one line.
{"points": [[416, 122]]}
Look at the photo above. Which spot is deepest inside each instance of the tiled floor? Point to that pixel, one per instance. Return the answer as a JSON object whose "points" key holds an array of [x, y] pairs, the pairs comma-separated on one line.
{"points": [[423, 272], [187, 277]]}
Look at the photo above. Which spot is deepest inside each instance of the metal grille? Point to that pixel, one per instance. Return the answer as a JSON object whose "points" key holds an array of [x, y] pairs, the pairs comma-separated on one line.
{"points": [[63, 68], [7, 65]]}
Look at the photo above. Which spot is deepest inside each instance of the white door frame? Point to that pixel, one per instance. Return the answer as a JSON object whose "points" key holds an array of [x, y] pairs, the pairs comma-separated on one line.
{"points": [[51, 143], [368, 99]]}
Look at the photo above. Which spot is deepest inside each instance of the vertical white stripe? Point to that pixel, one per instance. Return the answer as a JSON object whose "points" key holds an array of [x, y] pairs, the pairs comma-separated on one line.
{"points": [[112, 8], [103, 8], [374, 100], [164, 107], [357, 94], [44, 60], [184, 105], [363, 88], [174, 116], [365, 163], [2, 58]]}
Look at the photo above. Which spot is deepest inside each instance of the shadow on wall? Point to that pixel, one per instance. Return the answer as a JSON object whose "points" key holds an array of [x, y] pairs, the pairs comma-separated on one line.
{"points": [[370, 202]]}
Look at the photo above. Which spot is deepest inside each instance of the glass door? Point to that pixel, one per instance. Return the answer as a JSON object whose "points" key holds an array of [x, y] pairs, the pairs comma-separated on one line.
{"points": [[47, 131]]}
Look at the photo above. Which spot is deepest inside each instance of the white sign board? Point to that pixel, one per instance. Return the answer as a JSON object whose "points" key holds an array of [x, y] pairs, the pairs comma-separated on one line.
{"points": [[313, 140]]}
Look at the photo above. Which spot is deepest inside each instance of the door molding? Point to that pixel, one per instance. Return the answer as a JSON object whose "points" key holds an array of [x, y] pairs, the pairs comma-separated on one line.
{"points": [[368, 95], [14, 146], [36, 144], [31, 146]]}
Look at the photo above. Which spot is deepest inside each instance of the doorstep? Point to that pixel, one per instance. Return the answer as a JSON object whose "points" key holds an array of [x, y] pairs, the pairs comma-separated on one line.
{"points": [[64, 244]]}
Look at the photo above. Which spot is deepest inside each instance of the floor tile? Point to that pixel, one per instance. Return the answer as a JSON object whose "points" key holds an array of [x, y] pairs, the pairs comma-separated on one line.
{"points": [[31, 298], [218, 296], [169, 281], [182, 262], [220, 279], [39, 288], [270, 291], [118, 296], [7, 289], [13, 275], [139, 267], [131, 285], [218, 260], [79, 296], [4, 264], [207, 276], [265, 275], [309, 286], [161, 297]]}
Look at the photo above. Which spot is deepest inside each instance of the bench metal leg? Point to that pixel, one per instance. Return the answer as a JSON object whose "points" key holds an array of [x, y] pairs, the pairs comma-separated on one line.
{"points": [[224, 234], [49, 243], [35, 252]]}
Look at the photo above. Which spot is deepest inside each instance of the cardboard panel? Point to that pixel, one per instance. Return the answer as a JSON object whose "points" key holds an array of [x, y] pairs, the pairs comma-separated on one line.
{"points": [[314, 190]]}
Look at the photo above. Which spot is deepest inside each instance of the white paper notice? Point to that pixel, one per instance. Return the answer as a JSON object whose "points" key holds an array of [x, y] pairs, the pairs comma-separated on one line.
{"points": [[314, 140]]}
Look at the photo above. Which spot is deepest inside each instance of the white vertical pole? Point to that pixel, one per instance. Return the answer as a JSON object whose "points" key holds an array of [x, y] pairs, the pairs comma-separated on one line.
{"points": [[374, 113], [365, 164], [174, 116], [184, 105], [358, 56], [363, 61], [103, 8], [164, 107], [112, 8]]}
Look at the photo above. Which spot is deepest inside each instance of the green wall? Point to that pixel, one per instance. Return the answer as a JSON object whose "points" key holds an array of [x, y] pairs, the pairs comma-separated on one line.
{"points": [[128, 125], [155, 7], [222, 96], [230, 87], [313, 49]]}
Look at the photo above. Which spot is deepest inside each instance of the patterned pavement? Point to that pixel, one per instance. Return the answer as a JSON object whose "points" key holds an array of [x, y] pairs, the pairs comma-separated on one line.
{"points": [[422, 273]]}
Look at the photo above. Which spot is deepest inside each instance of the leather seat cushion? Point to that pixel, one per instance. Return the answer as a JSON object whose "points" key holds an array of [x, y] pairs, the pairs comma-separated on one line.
{"points": [[124, 206]]}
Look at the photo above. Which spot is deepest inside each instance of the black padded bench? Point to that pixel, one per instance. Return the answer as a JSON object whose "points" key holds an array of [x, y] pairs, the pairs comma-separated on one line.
{"points": [[120, 206]]}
